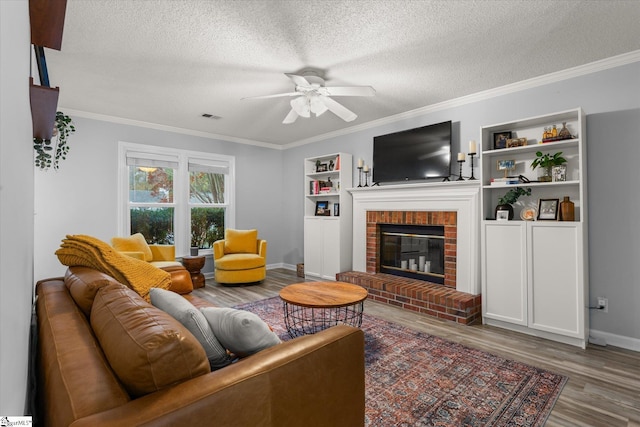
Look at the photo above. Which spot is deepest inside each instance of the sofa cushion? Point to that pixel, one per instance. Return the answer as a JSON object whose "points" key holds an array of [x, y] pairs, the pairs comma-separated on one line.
{"points": [[133, 243], [83, 283], [192, 319], [240, 331], [240, 241], [240, 262], [147, 349]]}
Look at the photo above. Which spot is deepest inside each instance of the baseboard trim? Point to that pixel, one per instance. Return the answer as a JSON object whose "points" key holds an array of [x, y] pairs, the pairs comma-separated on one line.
{"points": [[629, 343], [286, 266]]}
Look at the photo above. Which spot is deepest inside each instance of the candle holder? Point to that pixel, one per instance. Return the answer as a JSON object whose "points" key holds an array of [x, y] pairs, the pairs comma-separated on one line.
{"points": [[460, 178], [359, 176], [472, 177], [366, 178]]}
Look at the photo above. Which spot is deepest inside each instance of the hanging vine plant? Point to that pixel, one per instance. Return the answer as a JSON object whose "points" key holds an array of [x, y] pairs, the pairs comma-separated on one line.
{"points": [[49, 152]]}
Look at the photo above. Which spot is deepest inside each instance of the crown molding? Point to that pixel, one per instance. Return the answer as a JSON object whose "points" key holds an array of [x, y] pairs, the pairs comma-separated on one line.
{"points": [[581, 70], [155, 126]]}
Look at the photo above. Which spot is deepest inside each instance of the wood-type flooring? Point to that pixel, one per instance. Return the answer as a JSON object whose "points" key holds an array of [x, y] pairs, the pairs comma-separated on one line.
{"points": [[604, 382]]}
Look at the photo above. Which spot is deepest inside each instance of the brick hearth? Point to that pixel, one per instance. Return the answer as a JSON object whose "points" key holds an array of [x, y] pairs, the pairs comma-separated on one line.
{"points": [[416, 295]]}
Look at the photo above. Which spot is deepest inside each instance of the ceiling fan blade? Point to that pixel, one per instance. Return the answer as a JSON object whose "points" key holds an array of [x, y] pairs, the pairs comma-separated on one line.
{"points": [[277, 95], [298, 80], [338, 109], [348, 91], [291, 117]]}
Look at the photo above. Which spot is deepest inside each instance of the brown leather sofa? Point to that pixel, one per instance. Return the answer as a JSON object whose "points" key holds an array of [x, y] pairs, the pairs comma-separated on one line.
{"points": [[315, 380]]}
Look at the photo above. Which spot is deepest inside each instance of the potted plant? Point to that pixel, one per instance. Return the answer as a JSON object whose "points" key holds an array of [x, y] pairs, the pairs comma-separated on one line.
{"points": [[546, 161], [49, 154], [505, 203]]}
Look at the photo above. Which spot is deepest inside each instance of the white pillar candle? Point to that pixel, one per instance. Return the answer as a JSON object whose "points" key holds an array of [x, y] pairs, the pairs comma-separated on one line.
{"points": [[461, 157], [472, 146], [403, 264], [421, 260], [366, 168], [360, 163]]}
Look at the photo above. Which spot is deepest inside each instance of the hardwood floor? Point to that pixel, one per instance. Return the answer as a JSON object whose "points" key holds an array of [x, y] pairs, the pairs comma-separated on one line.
{"points": [[604, 382]]}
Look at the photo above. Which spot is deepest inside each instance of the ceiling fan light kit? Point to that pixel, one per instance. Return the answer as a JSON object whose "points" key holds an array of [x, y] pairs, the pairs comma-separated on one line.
{"points": [[314, 97]]}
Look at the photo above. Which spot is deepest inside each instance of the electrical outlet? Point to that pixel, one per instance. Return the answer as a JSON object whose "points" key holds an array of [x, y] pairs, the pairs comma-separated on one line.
{"points": [[603, 302]]}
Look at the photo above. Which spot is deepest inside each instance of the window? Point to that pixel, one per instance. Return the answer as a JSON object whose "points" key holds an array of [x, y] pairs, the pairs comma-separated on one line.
{"points": [[174, 196]]}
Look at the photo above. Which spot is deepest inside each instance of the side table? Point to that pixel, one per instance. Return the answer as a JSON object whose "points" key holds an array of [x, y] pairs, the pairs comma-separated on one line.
{"points": [[194, 264]]}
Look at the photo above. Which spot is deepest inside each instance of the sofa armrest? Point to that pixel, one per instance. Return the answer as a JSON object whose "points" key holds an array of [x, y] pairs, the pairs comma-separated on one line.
{"points": [[218, 249], [163, 252], [312, 381], [262, 248]]}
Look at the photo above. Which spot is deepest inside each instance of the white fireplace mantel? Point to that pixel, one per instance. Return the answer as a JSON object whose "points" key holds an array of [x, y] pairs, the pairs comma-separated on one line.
{"points": [[461, 197]]}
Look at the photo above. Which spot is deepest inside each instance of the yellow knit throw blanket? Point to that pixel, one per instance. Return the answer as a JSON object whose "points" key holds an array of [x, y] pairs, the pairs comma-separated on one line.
{"points": [[87, 251]]}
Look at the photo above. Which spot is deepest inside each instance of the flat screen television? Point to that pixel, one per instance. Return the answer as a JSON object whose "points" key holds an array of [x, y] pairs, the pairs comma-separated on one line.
{"points": [[413, 154]]}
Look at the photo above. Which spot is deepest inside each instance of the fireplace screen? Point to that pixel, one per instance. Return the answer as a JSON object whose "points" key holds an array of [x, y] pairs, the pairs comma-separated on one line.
{"points": [[412, 251]]}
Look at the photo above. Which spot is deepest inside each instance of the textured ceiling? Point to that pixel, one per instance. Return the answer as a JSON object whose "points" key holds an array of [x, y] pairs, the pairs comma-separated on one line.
{"points": [[167, 62]]}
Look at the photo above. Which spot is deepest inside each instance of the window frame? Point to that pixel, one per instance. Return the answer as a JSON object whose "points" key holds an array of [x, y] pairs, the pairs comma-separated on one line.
{"points": [[181, 202]]}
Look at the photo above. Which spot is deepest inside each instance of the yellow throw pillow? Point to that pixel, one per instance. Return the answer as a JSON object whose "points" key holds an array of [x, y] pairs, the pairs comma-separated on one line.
{"points": [[240, 241], [133, 243]]}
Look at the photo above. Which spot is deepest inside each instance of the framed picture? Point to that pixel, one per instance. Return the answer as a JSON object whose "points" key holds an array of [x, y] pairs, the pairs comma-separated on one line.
{"points": [[502, 215], [322, 167], [336, 209], [548, 209], [506, 165], [500, 140], [322, 208]]}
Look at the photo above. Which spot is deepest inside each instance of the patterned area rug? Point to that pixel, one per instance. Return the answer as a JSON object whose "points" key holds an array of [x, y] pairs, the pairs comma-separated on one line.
{"points": [[415, 379]]}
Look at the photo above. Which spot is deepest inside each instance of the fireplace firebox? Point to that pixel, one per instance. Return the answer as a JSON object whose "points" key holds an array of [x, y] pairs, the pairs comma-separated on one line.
{"points": [[415, 251]]}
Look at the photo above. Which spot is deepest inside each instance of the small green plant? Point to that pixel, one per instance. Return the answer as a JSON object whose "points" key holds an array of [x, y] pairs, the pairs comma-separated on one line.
{"points": [[49, 154], [513, 194], [547, 160]]}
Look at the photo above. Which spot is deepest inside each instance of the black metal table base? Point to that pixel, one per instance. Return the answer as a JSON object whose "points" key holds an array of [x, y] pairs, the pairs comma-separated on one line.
{"points": [[306, 320]]}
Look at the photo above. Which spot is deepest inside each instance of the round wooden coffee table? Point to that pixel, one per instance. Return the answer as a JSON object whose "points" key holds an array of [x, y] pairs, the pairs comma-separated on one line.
{"points": [[313, 306]]}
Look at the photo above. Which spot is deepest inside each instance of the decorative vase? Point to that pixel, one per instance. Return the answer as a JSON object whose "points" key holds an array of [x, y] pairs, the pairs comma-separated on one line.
{"points": [[567, 210], [504, 208], [544, 174], [564, 132]]}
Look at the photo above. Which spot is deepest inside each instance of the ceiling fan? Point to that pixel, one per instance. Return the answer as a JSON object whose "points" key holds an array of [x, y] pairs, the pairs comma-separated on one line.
{"points": [[312, 96]]}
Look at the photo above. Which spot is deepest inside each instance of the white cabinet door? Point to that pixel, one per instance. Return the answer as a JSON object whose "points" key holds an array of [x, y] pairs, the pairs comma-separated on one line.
{"points": [[313, 246], [556, 294], [331, 248], [322, 247], [504, 280]]}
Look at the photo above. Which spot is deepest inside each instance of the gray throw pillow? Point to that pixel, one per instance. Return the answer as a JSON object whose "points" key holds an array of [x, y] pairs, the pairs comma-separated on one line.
{"points": [[240, 331], [192, 319]]}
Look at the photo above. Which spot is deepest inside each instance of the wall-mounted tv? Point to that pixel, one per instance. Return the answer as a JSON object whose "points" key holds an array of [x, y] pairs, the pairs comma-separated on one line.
{"points": [[413, 154]]}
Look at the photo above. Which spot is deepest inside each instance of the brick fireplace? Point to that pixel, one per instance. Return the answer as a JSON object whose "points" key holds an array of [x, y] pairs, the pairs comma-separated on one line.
{"points": [[452, 205]]}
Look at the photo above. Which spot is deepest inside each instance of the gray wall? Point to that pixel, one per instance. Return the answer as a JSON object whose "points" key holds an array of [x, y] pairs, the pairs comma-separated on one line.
{"points": [[16, 206], [611, 101]]}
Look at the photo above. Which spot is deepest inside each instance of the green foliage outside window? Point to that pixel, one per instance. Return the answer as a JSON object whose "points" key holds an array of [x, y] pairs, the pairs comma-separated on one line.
{"points": [[155, 224], [207, 226]]}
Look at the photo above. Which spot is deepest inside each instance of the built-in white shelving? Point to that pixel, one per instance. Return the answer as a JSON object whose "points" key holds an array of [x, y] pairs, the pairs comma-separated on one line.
{"points": [[327, 215], [535, 273]]}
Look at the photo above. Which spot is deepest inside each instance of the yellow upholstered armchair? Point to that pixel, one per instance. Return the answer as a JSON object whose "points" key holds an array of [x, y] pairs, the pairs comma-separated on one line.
{"points": [[240, 258], [136, 246], [161, 256]]}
